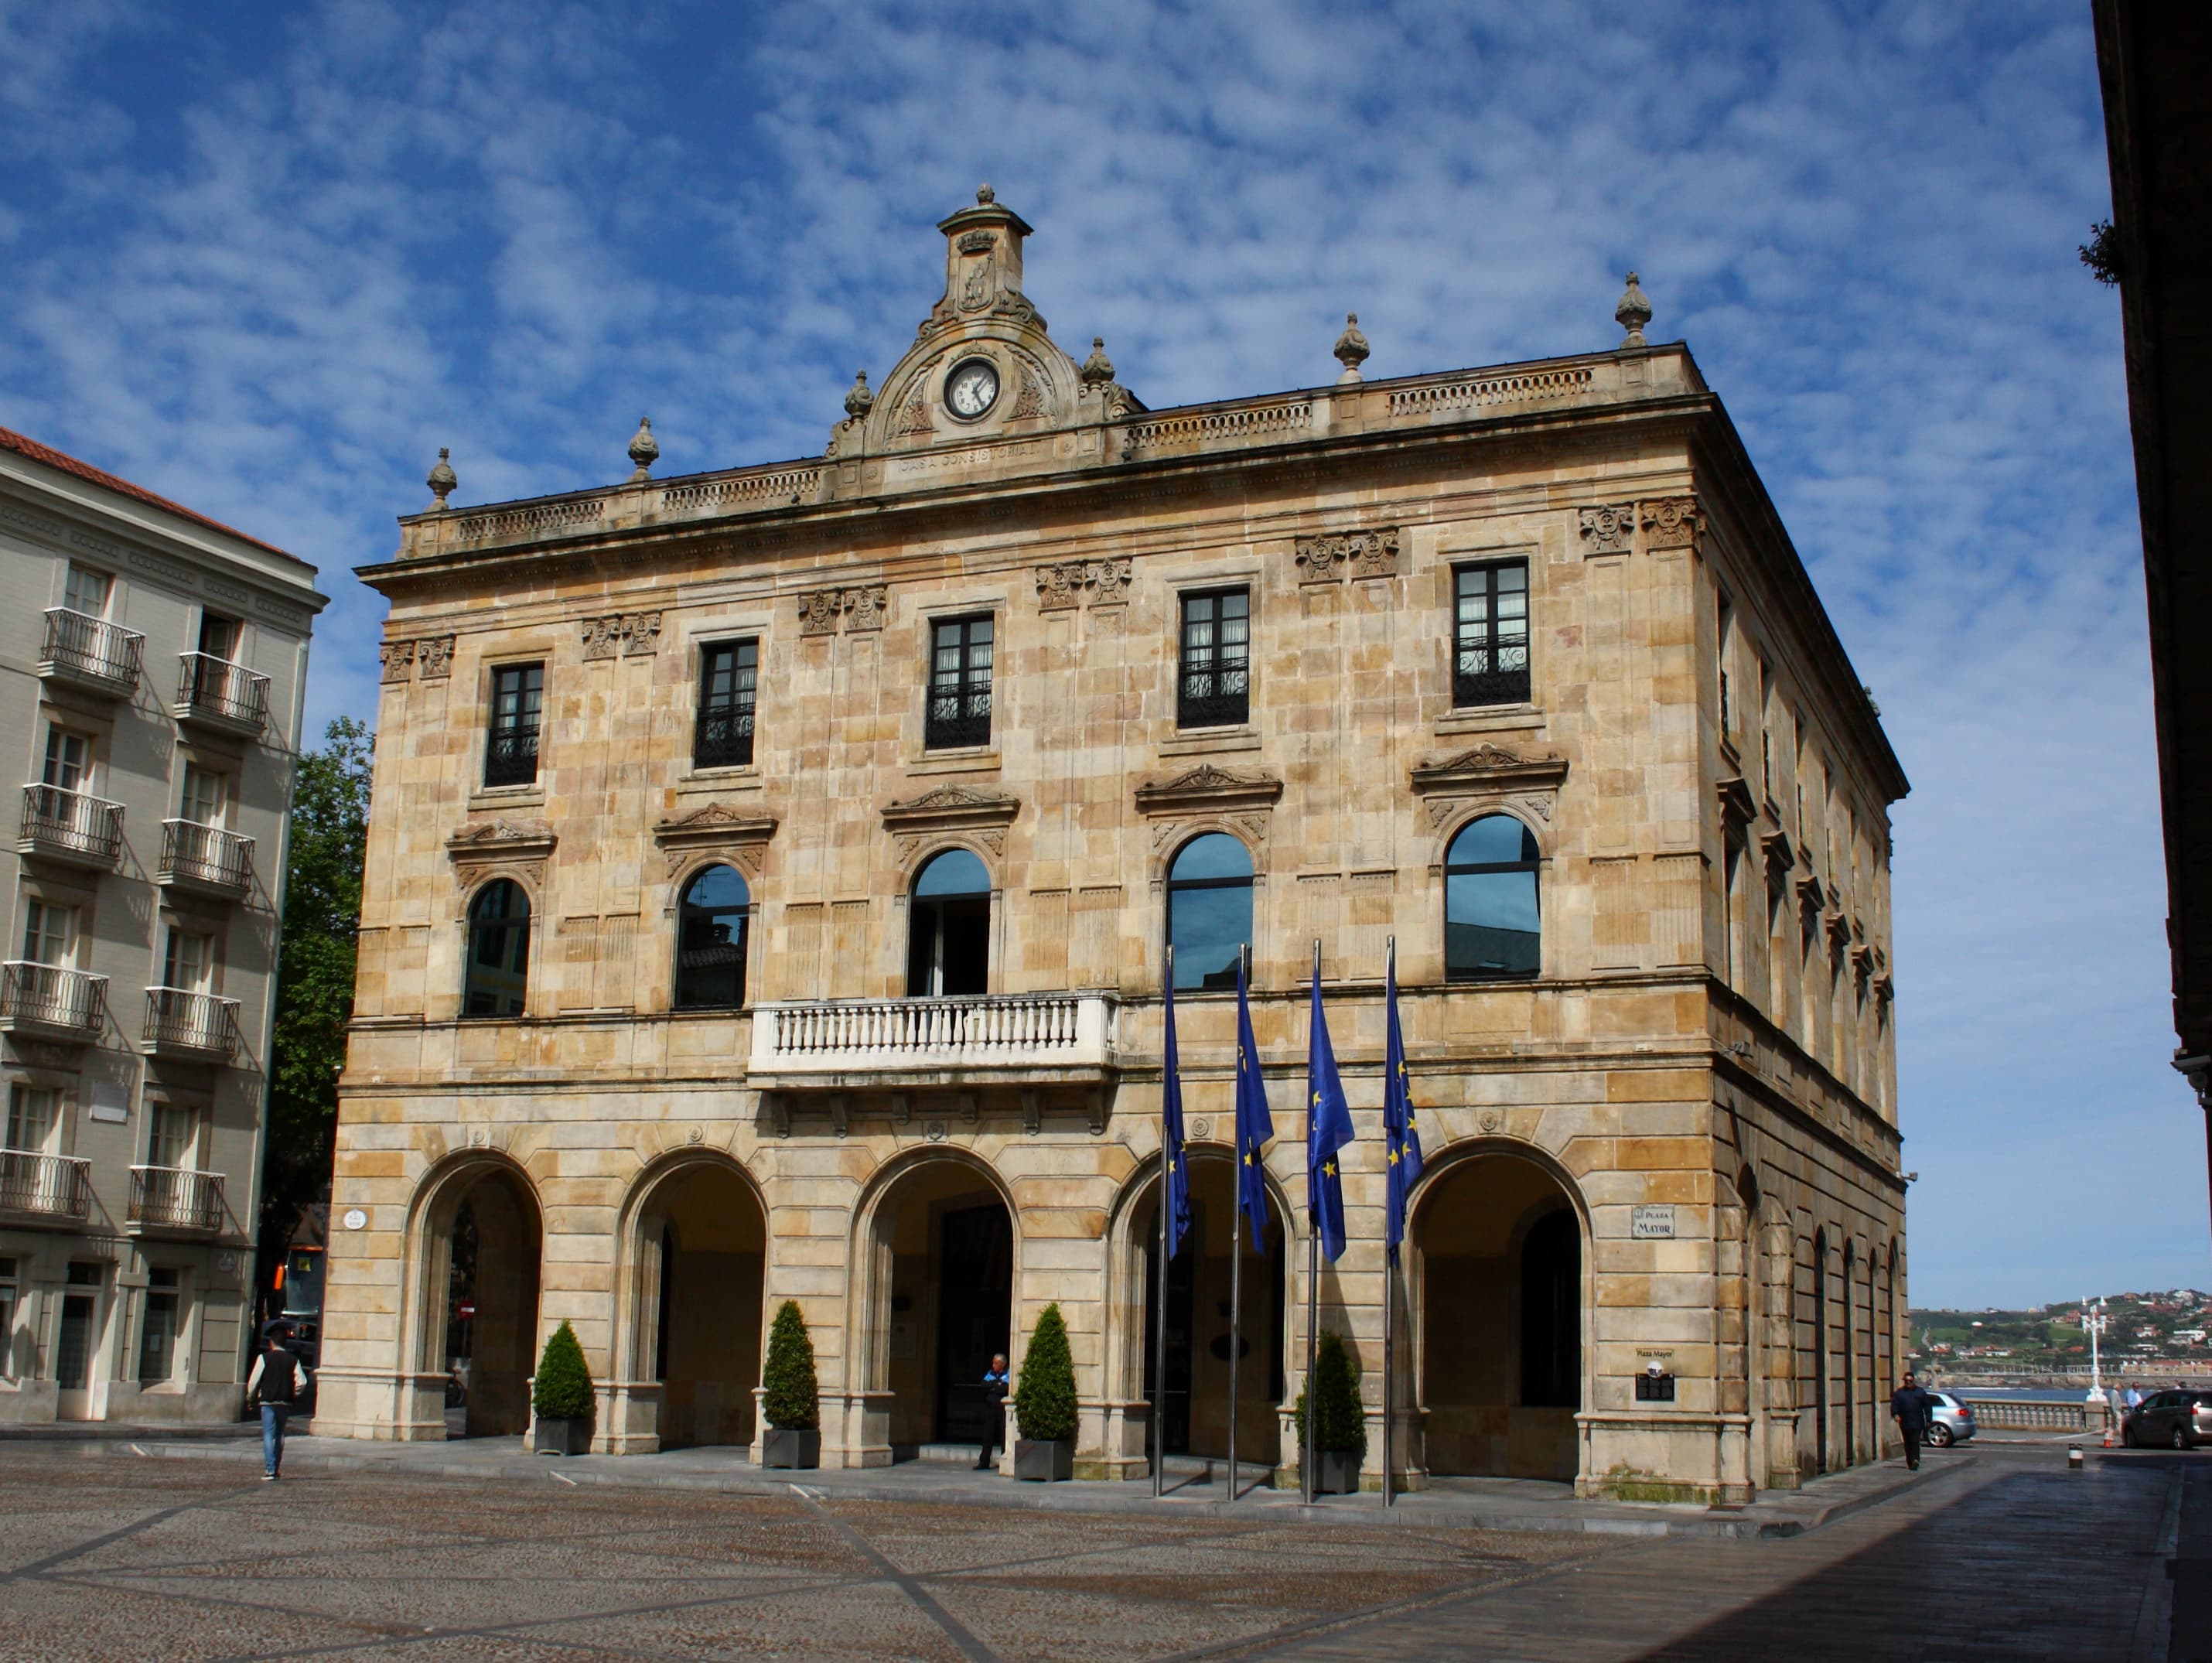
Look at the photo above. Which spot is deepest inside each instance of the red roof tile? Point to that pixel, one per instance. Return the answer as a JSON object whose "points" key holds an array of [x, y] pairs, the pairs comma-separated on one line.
{"points": [[69, 465]]}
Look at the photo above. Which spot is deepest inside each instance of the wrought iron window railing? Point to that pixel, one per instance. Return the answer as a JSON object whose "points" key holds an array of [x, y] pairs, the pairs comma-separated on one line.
{"points": [[1489, 634], [50, 1184], [1214, 686], [48, 996], [724, 738], [179, 1019], [176, 1197], [1490, 686], [1214, 698], [958, 718], [511, 756], [93, 650], [206, 855], [72, 822], [222, 691]]}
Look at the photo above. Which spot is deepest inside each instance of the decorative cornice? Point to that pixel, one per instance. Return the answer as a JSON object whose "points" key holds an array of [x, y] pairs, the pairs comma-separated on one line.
{"points": [[1738, 807], [1334, 556], [1489, 767], [1779, 858], [1671, 522], [716, 828], [398, 659], [1069, 583], [1609, 528], [435, 654], [1206, 789], [862, 608], [524, 845], [952, 811], [634, 634]]}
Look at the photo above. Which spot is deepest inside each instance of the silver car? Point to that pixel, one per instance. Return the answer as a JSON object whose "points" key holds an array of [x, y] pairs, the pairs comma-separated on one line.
{"points": [[1950, 1420]]}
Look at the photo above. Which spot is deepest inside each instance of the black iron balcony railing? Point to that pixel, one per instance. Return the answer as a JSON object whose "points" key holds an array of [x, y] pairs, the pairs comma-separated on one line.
{"points": [[71, 826], [176, 1197], [46, 999], [511, 756], [958, 719], [1484, 676], [724, 738], [205, 857], [213, 689], [91, 652], [182, 1022], [1214, 698], [51, 1185]]}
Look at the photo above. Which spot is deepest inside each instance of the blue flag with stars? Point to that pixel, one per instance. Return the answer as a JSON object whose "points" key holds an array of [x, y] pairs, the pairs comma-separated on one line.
{"points": [[1401, 1136], [1255, 1127], [1328, 1129], [1178, 1193]]}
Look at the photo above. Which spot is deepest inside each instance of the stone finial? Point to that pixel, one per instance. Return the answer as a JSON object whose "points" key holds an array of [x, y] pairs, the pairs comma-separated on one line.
{"points": [[441, 482], [643, 449], [1350, 349], [1633, 313], [985, 196], [1097, 369], [860, 401]]}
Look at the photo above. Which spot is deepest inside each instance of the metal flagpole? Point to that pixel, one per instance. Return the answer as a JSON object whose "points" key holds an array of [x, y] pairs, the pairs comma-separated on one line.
{"points": [[1160, 1318], [1236, 1272], [1313, 1283], [1390, 1250]]}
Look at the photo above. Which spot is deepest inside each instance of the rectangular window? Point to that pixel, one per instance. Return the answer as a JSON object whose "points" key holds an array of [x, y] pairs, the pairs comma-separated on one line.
{"points": [[219, 636], [32, 1112], [1724, 647], [168, 1135], [189, 961], [1490, 633], [69, 760], [157, 1339], [1215, 689], [49, 932], [518, 696], [85, 591], [728, 680], [203, 796], [959, 683]]}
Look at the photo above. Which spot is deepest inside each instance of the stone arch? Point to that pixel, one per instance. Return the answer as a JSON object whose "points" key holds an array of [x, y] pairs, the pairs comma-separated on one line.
{"points": [[994, 923], [501, 1251], [1483, 1310], [1461, 814]]}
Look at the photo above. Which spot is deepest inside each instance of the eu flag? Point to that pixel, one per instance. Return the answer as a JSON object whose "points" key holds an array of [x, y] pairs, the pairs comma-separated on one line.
{"points": [[1255, 1126], [1177, 1199], [1402, 1137], [1328, 1129]]}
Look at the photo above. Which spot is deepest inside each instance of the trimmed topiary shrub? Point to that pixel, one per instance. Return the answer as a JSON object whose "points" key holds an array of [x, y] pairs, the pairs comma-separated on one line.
{"points": [[563, 1387], [1044, 1405], [790, 1401], [1343, 1424]]}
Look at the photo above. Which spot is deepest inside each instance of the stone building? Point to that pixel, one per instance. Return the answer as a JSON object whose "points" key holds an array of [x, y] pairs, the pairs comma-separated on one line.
{"points": [[772, 869], [152, 689]]}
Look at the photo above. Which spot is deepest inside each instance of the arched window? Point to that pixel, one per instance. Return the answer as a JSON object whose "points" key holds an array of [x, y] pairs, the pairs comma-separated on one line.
{"points": [[1209, 910], [1491, 929], [948, 931], [710, 941], [498, 974]]}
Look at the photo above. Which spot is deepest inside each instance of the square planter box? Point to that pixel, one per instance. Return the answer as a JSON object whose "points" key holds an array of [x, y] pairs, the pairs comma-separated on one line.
{"points": [[1336, 1472], [1045, 1461], [791, 1446], [562, 1437]]}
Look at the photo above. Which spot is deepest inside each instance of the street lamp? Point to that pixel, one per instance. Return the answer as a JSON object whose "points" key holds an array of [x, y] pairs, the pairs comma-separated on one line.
{"points": [[2093, 1319]]}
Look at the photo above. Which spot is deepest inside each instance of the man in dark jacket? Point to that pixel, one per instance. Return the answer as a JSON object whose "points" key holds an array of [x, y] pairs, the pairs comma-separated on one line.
{"points": [[276, 1384], [1908, 1407], [994, 1410]]}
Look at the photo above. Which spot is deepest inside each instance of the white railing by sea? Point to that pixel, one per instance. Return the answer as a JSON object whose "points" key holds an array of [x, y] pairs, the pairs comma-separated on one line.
{"points": [[997, 1031]]}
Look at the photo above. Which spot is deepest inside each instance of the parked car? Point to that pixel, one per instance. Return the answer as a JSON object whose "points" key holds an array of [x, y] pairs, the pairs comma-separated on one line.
{"points": [[2173, 1420], [1950, 1420]]}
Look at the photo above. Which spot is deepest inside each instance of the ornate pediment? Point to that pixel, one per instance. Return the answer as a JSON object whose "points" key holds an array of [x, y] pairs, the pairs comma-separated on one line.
{"points": [[717, 828], [1490, 767], [1206, 789], [525, 844], [949, 810]]}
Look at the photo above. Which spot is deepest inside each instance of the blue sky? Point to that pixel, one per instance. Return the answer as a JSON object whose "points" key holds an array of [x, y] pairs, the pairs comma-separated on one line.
{"points": [[268, 259]]}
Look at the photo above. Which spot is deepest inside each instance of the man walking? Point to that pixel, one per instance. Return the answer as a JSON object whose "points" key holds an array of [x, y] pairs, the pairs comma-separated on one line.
{"points": [[994, 1410], [1908, 1407], [275, 1384]]}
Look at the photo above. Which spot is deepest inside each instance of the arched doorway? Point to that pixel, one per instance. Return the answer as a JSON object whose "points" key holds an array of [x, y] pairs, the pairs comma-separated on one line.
{"points": [[949, 923], [1501, 1258], [701, 1254], [1195, 1417], [486, 1236], [943, 1240]]}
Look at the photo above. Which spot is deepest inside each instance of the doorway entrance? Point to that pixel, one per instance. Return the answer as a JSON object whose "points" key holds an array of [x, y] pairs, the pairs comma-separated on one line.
{"points": [[1501, 1290], [492, 1246], [706, 1241], [948, 1241], [76, 1345], [1195, 1419], [949, 949]]}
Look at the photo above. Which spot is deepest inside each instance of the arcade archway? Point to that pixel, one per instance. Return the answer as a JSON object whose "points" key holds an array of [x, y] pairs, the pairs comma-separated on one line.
{"points": [[701, 1244], [484, 1239], [1501, 1255]]}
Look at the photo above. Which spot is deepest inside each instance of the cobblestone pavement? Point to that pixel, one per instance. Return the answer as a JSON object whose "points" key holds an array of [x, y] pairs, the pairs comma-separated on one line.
{"points": [[106, 1555]]}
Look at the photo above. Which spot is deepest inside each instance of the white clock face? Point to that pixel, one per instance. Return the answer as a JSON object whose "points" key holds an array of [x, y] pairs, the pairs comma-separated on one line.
{"points": [[972, 388]]}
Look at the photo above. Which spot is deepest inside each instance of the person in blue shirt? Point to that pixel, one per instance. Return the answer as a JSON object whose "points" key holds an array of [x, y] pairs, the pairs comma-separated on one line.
{"points": [[1909, 1407], [994, 1410]]}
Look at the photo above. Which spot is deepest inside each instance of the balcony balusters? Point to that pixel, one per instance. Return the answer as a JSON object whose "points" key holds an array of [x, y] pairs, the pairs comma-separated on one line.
{"points": [[72, 826], [205, 857], [50, 1000], [176, 1199], [212, 690], [53, 1185], [181, 1021], [91, 652]]}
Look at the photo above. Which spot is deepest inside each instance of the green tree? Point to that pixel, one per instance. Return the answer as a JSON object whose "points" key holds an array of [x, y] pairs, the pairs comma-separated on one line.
{"points": [[1044, 1404], [314, 975], [1343, 1422], [562, 1390], [790, 1402]]}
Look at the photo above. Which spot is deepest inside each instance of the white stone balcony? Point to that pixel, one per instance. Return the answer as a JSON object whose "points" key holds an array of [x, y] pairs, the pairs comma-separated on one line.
{"points": [[176, 1199], [71, 827], [91, 653], [43, 1186], [1031, 1040]]}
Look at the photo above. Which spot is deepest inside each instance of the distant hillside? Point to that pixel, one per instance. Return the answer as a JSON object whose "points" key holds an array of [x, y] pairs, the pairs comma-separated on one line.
{"points": [[2140, 1328]]}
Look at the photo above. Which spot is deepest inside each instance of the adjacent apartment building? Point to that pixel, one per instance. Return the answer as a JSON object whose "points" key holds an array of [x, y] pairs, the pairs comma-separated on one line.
{"points": [[152, 668], [773, 872]]}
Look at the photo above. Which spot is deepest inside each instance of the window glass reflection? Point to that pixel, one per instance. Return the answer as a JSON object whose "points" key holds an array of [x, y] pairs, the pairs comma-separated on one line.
{"points": [[1491, 923], [710, 941], [498, 952], [1209, 911]]}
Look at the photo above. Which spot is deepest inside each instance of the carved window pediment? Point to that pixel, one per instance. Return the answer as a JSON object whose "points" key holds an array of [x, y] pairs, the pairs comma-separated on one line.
{"points": [[1490, 767], [1206, 789], [1738, 807], [952, 811], [523, 845], [719, 829]]}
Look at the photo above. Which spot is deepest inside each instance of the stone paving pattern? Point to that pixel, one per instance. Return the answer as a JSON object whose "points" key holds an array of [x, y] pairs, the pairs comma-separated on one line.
{"points": [[103, 1554]]}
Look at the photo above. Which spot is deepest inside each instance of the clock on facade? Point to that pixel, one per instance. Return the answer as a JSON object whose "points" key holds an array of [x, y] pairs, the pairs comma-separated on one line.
{"points": [[972, 388]]}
